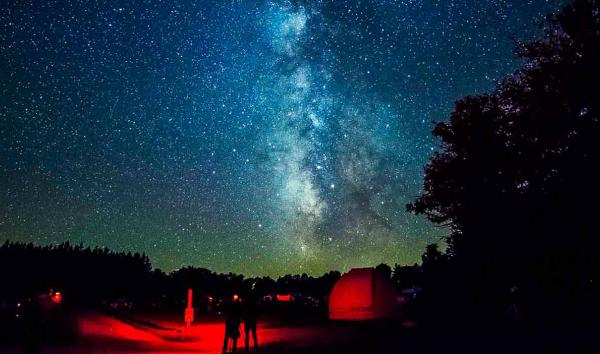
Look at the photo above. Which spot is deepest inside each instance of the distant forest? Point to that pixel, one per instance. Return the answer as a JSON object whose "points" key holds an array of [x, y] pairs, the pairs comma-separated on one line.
{"points": [[96, 276]]}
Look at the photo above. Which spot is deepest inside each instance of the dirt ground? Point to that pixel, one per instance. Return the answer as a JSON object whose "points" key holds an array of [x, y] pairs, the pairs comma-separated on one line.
{"points": [[99, 333]]}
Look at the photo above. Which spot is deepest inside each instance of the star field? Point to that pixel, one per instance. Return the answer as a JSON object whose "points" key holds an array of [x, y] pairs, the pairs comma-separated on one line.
{"points": [[261, 137]]}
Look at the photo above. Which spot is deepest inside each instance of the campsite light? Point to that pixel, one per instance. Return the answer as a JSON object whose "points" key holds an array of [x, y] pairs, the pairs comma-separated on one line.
{"points": [[236, 297], [284, 298], [56, 297]]}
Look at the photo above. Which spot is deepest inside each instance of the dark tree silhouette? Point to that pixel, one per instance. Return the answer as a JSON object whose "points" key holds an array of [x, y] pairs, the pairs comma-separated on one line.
{"points": [[100, 277], [406, 276], [385, 270], [84, 274], [517, 177], [432, 255]]}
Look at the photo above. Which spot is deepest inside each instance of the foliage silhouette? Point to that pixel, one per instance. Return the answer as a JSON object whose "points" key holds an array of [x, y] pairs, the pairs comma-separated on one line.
{"points": [[99, 277], [517, 177]]}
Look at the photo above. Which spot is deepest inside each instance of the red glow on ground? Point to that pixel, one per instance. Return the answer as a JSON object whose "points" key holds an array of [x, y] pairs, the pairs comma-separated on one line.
{"points": [[99, 333], [107, 335]]}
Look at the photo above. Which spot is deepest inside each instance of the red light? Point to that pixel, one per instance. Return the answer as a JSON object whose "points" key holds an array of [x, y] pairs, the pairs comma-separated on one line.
{"points": [[284, 298], [189, 310], [57, 297]]}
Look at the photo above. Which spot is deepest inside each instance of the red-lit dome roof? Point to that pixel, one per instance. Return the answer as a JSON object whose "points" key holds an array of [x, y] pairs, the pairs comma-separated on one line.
{"points": [[363, 294]]}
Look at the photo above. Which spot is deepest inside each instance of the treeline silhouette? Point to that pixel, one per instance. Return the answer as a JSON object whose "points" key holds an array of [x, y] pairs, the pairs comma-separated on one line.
{"points": [[97, 276], [517, 183], [81, 273]]}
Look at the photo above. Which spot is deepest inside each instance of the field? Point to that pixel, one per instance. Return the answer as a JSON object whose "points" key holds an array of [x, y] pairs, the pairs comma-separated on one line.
{"points": [[100, 333]]}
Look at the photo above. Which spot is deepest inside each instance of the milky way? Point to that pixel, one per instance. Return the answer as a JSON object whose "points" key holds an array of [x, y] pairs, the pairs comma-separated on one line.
{"points": [[262, 137]]}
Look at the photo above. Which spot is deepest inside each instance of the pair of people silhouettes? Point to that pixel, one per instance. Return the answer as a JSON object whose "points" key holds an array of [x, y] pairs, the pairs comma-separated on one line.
{"points": [[237, 312]]}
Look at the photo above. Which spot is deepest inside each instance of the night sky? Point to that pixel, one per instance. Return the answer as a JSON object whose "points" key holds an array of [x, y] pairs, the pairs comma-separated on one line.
{"points": [[261, 137]]}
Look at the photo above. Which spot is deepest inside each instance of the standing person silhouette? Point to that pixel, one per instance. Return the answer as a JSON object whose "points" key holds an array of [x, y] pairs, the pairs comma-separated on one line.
{"points": [[249, 317], [232, 324]]}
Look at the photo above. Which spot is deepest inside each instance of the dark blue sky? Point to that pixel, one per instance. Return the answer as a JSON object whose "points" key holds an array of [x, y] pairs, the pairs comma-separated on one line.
{"points": [[262, 137]]}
